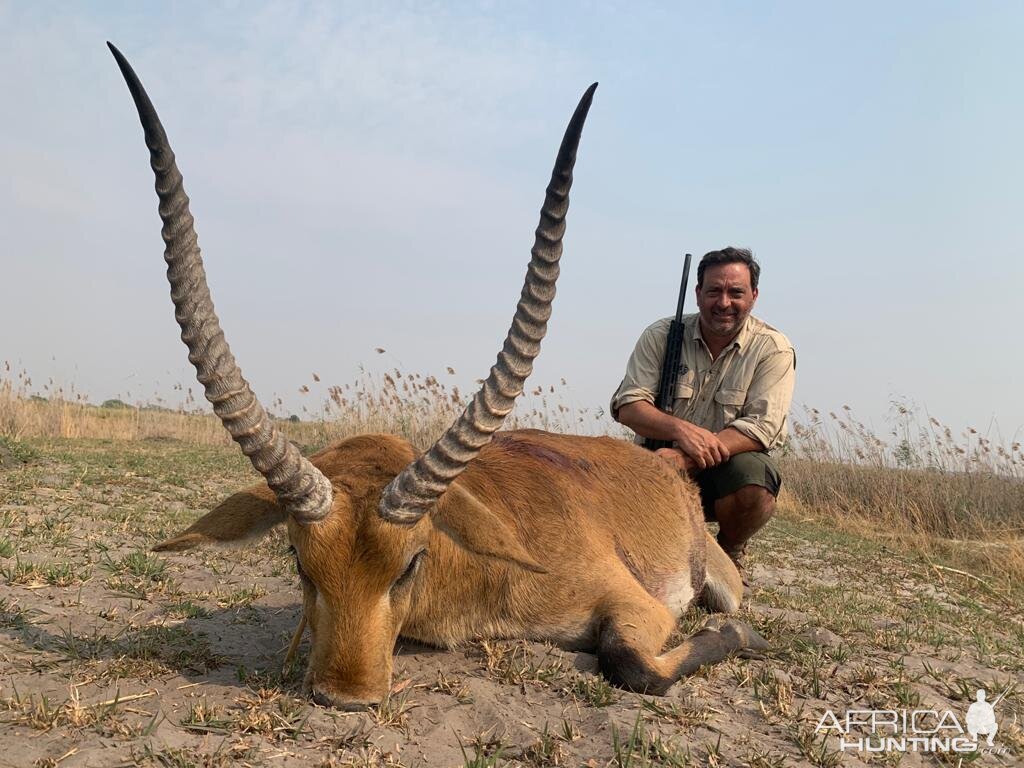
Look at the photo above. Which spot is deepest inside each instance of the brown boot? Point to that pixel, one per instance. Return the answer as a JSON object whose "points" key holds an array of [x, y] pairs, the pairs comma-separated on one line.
{"points": [[738, 554]]}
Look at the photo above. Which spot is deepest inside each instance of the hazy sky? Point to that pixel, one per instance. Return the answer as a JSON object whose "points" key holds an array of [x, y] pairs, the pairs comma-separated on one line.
{"points": [[369, 176]]}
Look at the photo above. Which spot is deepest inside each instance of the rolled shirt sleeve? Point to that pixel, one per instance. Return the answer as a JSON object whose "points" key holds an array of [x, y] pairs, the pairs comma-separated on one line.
{"points": [[763, 415], [643, 370]]}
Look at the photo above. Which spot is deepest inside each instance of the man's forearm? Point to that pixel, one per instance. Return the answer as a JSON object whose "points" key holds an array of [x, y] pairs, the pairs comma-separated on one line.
{"points": [[647, 421], [705, 448], [737, 442]]}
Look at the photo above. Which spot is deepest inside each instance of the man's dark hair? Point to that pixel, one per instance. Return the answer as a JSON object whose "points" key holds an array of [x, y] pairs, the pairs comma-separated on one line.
{"points": [[730, 255]]}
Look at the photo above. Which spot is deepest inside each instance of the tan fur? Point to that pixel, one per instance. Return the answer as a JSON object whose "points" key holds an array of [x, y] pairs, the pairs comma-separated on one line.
{"points": [[723, 589], [584, 541]]}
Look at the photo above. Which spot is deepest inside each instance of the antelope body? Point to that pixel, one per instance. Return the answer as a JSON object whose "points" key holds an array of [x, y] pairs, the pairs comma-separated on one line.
{"points": [[592, 543]]}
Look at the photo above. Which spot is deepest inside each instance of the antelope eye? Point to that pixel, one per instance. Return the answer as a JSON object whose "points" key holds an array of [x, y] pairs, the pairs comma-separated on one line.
{"points": [[410, 570]]}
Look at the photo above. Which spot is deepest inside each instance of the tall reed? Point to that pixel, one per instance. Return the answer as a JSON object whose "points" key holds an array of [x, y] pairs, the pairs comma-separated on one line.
{"points": [[920, 486]]}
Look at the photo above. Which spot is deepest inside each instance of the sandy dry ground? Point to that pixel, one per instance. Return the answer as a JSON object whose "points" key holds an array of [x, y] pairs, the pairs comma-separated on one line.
{"points": [[110, 655]]}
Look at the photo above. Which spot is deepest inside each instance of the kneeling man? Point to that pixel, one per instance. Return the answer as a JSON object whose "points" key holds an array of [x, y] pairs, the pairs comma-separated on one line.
{"points": [[731, 401]]}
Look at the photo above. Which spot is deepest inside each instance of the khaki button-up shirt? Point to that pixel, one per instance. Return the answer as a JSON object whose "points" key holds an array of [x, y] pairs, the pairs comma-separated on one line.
{"points": [[749, 387]]}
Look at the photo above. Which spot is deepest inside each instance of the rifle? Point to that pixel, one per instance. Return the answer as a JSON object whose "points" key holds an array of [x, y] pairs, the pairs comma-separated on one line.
{"points": [[671, 361]]}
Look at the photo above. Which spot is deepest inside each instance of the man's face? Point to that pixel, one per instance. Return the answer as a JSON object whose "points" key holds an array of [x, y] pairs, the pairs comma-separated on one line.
{"points": [[725, 298]]}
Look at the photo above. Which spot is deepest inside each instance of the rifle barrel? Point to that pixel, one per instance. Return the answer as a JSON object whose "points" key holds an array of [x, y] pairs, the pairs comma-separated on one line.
{"points": [[682, 287]]}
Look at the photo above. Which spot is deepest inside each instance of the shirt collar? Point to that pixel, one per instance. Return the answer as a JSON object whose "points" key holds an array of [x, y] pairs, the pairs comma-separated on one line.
{"points": [[741, 340]]}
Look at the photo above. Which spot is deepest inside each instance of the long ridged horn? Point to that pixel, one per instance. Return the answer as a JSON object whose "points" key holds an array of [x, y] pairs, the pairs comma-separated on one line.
{"points": [[301, 488], [415, 490]]}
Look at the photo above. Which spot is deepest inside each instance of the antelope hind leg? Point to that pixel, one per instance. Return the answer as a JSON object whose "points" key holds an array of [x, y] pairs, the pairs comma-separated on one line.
{"points": [[633, 632]]}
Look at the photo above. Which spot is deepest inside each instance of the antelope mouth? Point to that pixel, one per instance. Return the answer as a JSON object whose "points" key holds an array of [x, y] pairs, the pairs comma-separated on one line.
{"points": [[342, 703]]}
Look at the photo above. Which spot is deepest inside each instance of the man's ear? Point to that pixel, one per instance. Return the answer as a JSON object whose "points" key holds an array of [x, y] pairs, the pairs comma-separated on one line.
{"points": [[469, 523], [241, 517]]}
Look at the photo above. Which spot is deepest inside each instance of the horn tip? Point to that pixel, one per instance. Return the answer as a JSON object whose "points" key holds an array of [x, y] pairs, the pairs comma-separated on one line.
{"points": [[584, 106], [122, 63]]}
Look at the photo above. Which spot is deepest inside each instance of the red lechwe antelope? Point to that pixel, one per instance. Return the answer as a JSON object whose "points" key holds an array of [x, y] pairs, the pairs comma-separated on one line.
{"points": [[590, 542]]}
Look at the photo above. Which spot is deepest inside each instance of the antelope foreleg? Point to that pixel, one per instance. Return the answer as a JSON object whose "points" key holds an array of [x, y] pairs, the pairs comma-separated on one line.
{"points": [[293, 646], [632, 635]]}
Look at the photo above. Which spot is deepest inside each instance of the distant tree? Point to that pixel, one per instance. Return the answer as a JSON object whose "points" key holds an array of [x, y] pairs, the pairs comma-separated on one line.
{"points": [[115, 403]]}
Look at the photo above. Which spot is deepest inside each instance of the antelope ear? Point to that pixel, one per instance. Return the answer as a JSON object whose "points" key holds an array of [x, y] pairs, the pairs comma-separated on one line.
{"points": [[472, 525], [241, 517]]}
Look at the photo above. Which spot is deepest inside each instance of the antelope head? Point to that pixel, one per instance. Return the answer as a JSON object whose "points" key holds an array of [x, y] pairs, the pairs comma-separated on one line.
{"points": [[360, 514]]}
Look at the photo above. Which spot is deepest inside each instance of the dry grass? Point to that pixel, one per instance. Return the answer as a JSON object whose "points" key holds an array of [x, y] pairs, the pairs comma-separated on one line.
{"points": [[923, 489], [947, 497], [415, 406]]}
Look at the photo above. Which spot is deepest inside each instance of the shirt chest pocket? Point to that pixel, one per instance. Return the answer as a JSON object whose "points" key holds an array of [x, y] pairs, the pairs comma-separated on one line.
{"points": [[684, 386], [731, 401]]}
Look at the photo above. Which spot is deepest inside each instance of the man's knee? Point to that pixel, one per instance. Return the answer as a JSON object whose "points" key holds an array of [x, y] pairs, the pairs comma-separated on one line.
{"points": [[753, 497], [740, 515], [747, 501], [748, 481]]}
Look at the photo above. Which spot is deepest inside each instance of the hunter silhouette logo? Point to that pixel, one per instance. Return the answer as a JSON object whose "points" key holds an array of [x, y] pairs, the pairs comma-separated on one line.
{"points": [[918, 730], [981, 717]]}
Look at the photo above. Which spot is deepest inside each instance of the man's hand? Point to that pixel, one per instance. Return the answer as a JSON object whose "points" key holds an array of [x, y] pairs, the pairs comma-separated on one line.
{"points": [[704, 447]]}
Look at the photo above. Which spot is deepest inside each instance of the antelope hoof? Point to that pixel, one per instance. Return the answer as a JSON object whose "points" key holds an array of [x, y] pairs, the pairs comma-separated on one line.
{"points": [[743, 635]]}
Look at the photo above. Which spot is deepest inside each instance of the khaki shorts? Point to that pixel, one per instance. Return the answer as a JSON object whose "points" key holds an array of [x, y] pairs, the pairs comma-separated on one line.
{"points": [[750, 468]]}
